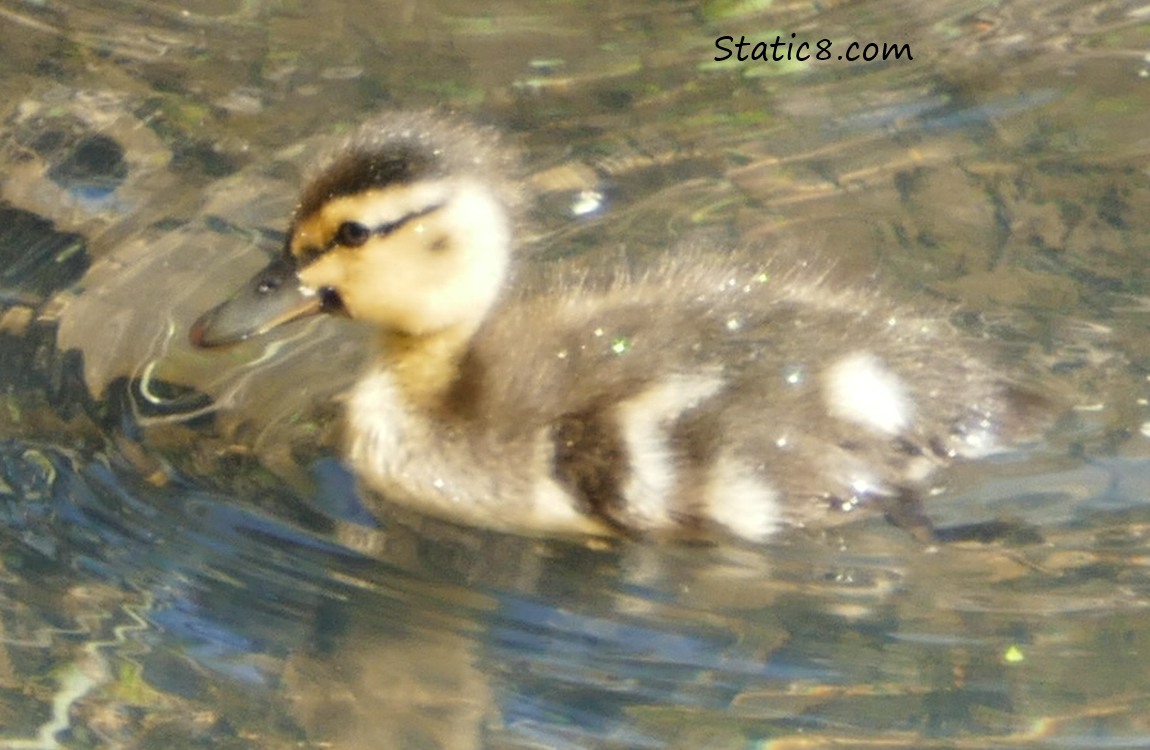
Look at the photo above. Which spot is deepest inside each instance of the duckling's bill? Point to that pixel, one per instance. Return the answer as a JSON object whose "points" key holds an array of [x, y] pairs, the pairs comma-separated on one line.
{"points": [[272, 297]]}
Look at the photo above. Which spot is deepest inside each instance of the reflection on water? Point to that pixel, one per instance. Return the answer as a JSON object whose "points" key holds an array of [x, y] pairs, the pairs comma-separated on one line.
{"points": [[174, 574]]}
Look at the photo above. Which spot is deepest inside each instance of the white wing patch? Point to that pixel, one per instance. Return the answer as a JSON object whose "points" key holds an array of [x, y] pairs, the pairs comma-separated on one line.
{"points": [[741, 502], [860, 389], [643, 422]]}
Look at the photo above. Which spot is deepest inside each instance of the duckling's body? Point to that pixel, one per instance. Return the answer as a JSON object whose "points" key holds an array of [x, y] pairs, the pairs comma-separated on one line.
{"points": [[708, 395]]}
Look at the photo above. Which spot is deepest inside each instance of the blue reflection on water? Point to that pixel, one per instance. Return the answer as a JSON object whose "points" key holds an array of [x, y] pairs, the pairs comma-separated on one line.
{"points": [[234, 592], [578, 676]]}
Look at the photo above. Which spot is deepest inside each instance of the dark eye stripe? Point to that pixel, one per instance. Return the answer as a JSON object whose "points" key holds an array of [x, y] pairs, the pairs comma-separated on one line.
{"points": [[348, 233]]}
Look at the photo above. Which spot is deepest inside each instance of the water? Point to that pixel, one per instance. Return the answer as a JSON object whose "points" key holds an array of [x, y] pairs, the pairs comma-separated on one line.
{"points": [[184, 564]]}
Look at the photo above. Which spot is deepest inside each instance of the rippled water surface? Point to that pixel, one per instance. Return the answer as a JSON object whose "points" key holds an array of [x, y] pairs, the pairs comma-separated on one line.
{"points": [[184, 562]]}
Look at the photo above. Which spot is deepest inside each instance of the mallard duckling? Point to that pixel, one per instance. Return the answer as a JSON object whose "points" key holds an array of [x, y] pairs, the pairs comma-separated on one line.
{"points": [[708, 395]]}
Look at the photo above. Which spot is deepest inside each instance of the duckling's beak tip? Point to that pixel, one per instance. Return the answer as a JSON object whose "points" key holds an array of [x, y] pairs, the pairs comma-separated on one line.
{"points": [[270, 299], [209, 332], [197, 335], [200, 334]]}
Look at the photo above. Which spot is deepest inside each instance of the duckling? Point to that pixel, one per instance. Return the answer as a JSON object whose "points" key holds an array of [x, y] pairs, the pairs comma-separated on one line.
{"points": [[709, 395]]}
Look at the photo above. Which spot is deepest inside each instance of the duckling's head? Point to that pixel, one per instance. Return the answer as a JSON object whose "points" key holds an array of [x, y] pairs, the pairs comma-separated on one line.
{"points": [[407, 226]]}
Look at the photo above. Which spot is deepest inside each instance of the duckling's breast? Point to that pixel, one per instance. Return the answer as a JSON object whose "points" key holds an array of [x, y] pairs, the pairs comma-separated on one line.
{"points": [[494, 478]]}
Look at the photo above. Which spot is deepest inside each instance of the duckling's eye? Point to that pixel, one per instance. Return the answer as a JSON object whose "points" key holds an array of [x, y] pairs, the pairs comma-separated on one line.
{"points": [[352, 234]]}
